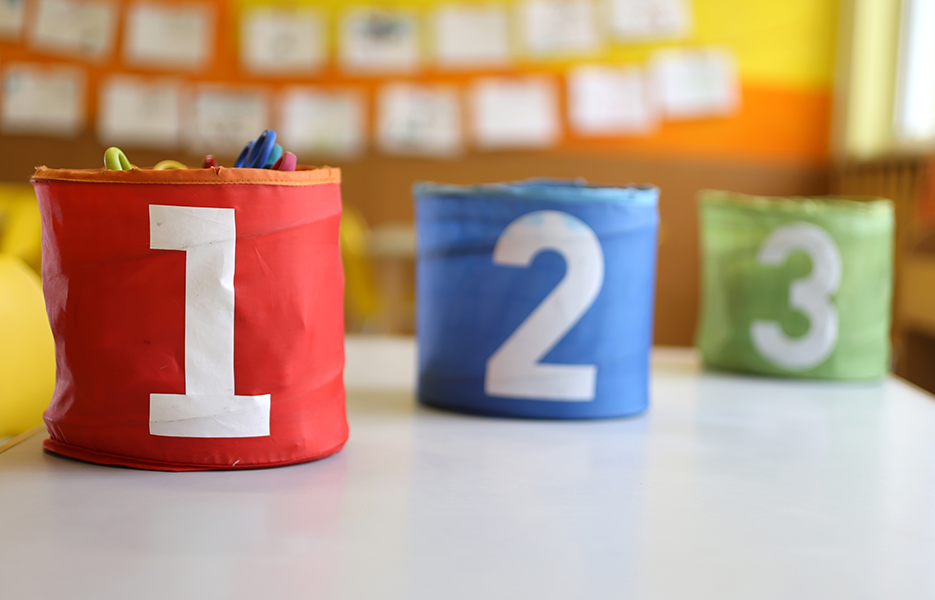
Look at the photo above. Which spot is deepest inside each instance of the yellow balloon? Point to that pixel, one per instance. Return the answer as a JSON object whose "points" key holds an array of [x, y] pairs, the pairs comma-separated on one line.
{"points": [[27, 351]]}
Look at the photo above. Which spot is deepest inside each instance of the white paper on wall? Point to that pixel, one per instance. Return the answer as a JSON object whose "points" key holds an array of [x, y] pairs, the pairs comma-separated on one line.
{"points": [[645, 20], [379, 41], [42, 100], [696, 82], [515, 113], [471, 36], [134, 111], [225, 119], [11, 18], [323, 121], [419, 120], [611, 101], [169, 36], [279, 41], [82, 28], [558, 27]]}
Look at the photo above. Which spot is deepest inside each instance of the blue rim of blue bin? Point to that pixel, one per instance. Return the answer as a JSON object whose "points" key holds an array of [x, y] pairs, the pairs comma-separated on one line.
{"points": [[557, 190]]}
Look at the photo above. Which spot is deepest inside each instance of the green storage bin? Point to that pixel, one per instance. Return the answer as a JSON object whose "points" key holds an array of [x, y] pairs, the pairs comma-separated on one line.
{"points": [[796, 287]]}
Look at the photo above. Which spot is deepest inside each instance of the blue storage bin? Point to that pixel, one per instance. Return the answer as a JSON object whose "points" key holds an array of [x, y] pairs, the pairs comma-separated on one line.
{"points": [[535, 298]]}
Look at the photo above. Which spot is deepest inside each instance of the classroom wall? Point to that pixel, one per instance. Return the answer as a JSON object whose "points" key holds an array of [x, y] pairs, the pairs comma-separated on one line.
{"points": [[776, 143]]}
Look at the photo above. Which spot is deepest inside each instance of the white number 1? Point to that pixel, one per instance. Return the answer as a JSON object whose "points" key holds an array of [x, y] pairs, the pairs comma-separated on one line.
{"points": [[811, 295], [208, 408]]}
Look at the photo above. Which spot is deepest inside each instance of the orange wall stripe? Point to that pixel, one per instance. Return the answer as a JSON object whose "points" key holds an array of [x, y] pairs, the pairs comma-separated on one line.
{"points": [[775, 124]]}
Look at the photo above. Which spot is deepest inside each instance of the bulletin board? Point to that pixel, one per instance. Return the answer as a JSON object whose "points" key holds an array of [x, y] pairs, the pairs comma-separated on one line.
{"points": [[783, 65], [773, 140]]}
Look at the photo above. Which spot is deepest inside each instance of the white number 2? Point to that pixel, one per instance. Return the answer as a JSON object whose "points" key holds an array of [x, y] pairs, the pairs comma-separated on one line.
{"points": [[514, 370], [811, 295], [208, 408]]}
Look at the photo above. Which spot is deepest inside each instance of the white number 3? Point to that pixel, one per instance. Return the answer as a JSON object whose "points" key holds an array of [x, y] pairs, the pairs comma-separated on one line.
{"points": [[811, 295]]}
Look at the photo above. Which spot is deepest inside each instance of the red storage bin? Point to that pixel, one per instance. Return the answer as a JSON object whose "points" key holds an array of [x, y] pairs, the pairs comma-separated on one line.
{"points": [[197, 315]]}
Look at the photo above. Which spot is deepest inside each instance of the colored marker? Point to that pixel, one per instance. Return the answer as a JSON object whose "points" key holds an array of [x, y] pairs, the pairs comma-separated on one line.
{"points": [[273, 156], [286, 162]]}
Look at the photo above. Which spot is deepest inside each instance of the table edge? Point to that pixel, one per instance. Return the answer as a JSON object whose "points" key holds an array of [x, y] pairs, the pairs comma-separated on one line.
{"points": [[21, 438]]}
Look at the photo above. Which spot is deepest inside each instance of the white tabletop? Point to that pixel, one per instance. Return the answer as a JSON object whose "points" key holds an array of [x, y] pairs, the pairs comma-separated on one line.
{"points": [[730, 487]]}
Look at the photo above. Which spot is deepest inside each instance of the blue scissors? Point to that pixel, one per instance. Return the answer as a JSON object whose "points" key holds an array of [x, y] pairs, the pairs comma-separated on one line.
{"points": [[256, 153]]}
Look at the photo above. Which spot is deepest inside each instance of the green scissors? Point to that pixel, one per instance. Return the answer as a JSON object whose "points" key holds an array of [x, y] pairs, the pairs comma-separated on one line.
{"points": [[116, 160]]}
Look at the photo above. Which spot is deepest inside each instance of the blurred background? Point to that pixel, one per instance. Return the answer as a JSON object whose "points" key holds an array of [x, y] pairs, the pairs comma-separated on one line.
{"points": [[802, 97]]}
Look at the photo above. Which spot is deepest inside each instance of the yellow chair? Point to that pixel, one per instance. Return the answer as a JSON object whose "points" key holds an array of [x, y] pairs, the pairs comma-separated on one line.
{"points": [[27, 351], [361, 298], [20, 224]]}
